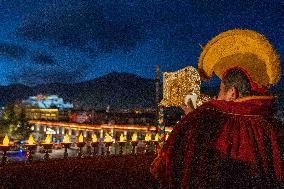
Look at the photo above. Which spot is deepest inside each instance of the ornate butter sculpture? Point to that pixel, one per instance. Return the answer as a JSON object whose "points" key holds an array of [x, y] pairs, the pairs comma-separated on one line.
{"points": [[178, 84]]}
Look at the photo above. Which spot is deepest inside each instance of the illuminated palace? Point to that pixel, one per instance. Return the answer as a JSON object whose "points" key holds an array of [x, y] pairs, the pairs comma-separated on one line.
{"points": [[51, 107], [51, 115]]}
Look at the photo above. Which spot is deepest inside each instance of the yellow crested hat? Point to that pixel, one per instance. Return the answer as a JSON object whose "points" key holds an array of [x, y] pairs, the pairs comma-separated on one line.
{"points": [[245, 49]]}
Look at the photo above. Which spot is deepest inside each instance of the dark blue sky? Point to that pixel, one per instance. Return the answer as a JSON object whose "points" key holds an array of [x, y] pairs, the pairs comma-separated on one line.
{"points": [[71, 40]]}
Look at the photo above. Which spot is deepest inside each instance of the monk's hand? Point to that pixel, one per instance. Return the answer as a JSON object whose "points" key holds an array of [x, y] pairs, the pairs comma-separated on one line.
{"points": [[187, 108], [156, 164]]}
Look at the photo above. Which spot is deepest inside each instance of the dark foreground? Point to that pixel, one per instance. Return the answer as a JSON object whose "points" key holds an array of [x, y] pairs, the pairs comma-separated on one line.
{"points": [[98, 172]]}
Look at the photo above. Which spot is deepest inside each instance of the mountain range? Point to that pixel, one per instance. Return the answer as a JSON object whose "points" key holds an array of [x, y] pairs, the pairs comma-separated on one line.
{"points": [[119, 90]]}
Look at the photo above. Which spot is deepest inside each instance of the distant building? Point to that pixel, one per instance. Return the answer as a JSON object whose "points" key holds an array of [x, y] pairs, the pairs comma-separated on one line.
{"points": [[80, 117], [134, 117], [123, 117], [52, 101], [51, 107], [42, 114]]}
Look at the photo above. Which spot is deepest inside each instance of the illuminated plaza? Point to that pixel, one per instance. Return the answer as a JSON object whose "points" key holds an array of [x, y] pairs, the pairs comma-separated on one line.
{"points": [[141, 94]]}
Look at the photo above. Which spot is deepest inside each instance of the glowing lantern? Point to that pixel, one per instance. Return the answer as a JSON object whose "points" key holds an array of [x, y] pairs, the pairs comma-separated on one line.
{"points": [[147, 137], [47, 139], [156, 137], [66, 139], [6, 141], [94, 138], [81, 138], [134, 137], [108, 138], [167, 136], [31, 140], [121, 138]]}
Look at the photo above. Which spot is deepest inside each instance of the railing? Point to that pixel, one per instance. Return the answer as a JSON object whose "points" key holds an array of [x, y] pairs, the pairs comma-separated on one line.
{"points": [[98, 126], [100, 148]]}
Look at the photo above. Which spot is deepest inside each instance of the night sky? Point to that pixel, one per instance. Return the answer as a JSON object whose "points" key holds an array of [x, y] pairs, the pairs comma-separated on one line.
{"points": [[72, 41]]}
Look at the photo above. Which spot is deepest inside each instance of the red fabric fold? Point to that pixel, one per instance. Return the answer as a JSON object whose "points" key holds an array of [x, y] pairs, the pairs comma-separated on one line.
{"points": [[224, 143]]}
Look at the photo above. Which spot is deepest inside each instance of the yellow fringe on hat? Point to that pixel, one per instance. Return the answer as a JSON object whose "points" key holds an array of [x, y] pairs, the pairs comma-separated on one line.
{"points": [[241, 48]]}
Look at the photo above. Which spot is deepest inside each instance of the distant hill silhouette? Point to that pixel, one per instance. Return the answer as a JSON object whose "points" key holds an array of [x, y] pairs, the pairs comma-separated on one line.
{"points": [[119, 90]]}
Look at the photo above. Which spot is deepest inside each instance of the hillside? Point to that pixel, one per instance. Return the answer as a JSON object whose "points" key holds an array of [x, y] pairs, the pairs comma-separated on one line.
{"points": [[119, 90]]}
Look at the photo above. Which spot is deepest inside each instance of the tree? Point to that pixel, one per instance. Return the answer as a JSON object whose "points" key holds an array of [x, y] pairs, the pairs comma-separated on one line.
{"points": [[14, 121]]}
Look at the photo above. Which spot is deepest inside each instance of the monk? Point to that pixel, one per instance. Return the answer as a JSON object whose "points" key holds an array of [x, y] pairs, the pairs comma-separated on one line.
{"points": [[230, 142]]}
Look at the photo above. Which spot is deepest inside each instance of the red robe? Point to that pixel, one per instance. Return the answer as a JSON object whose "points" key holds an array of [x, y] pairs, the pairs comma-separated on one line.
{"points": [[225, 144]]}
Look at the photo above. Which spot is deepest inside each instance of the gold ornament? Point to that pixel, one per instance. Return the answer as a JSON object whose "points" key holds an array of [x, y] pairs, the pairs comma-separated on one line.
{"points": [[178, 84], [201, 99]]}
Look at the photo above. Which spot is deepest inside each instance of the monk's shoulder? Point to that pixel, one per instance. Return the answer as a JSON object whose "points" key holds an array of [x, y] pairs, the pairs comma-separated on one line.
{"points": [[206, 112], [213, 106]]}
